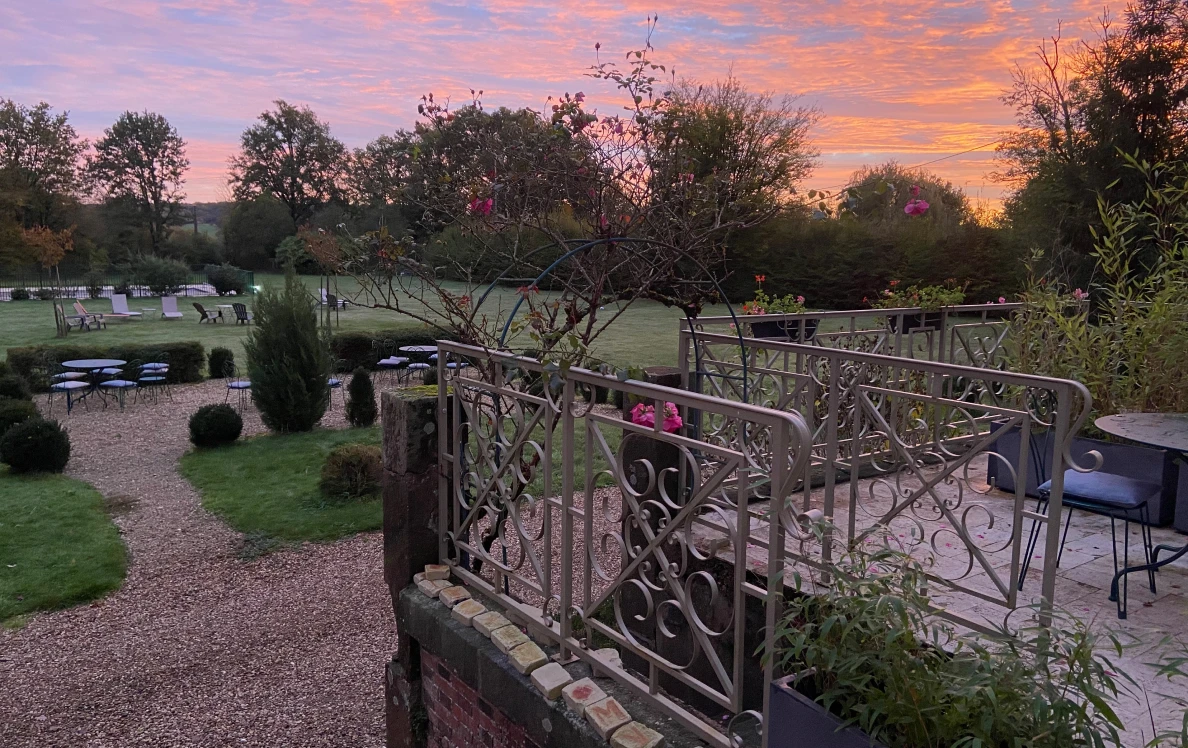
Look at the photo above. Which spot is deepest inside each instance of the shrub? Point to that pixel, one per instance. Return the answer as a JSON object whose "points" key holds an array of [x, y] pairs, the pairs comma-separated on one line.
{"points": [[94, 282], [352, 471], [15, 387], [287, 361], [162, 276], [225, 279], [45, 294], [355, 349], [13, 412], [5, 369], [218, 362], [185, 358], [35, 446], [430, 377], [20, 294], [360, 409], [123, 287], [214, 425]]}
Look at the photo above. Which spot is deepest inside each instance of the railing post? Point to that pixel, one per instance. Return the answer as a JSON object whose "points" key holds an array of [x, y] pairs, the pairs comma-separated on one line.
{"points": [[410, 501]]}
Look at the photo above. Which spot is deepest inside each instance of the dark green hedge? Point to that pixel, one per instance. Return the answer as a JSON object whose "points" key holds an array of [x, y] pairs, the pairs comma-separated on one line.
{"points": [[185, 359], [354, 349]]}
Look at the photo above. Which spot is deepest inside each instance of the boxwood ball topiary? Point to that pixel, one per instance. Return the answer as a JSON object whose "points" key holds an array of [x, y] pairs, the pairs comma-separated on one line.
{"points": [[360, 409], [15, 387], [13, 412], [35, 446], [213, 425], [352, 471]]}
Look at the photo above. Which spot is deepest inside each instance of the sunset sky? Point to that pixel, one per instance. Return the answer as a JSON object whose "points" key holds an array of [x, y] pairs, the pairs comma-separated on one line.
{"points": [[911, 81]]}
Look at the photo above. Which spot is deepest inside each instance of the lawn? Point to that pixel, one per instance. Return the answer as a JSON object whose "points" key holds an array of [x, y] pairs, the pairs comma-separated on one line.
{"points": [[645, 335], [267, 487], [58, 547]]}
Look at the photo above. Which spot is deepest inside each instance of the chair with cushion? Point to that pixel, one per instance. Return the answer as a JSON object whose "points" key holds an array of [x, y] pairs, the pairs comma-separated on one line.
{"points": [[169, 308], [118, 387], [91, 319], [242, 387], [1106, 494], [152, 381], [71, 389], [415, 369]]}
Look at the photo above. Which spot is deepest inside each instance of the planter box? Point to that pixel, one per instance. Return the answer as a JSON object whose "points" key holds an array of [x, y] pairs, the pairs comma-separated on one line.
{"points": [[920, 321], [1129, 460], [788, 330], [796, 721]]}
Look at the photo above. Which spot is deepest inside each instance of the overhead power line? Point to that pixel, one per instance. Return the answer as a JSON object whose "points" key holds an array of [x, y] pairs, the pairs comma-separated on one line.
{"points": [[996, 141]]}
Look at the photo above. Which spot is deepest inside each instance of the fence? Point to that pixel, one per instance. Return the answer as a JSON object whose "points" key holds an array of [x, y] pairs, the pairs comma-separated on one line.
{"points": [[674, 541], [970, 334], [79, 285], [903, 444]]}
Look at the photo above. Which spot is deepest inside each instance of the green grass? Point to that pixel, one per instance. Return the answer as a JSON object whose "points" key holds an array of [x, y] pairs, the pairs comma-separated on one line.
{"points": [[645, 335], [267, 487], [58, 547]]}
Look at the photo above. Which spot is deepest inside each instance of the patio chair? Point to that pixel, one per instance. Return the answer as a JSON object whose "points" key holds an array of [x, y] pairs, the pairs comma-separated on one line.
{"points": [[74, 321], [152, 380], [119, 387], [205, 316], [419, 369], [169, 308], [242, 315], [119, 306], [70, 388], [1106, 495], [329, 299], [242, 387], [91, 319]]}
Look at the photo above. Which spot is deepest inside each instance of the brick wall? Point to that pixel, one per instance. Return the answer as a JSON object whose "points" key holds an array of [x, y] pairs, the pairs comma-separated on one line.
{"points": [[459, 717]]}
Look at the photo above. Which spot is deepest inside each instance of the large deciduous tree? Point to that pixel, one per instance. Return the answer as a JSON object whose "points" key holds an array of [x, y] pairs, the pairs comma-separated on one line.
{"points": [[39, 163], [141, 161], [291, 156], [380, 172], [1081, 111]]}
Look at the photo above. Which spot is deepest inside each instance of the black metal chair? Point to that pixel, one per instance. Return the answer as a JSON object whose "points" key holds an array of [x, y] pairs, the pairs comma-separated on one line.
{"points": [[242, 387], [1107, 495]]}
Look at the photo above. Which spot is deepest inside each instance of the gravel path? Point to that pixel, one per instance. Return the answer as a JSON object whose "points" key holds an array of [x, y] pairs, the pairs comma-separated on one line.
{"points": [[198, 648]]}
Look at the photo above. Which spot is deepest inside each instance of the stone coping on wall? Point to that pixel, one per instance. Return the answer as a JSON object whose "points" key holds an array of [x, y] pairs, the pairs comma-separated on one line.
{"points": [[498, 678]]}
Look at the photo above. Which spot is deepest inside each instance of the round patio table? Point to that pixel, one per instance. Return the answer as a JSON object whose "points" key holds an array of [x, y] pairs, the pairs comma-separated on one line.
{"points": [[1163, 430], [418, 349], [93, 364]]}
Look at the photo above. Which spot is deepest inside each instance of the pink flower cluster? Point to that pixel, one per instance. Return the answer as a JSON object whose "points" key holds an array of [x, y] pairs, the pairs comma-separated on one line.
{"points": [[645, 415], [1080, 295], [916, 206], [482, 207]]}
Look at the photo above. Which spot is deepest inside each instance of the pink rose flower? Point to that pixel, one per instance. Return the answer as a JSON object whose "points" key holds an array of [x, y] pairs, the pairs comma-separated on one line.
{"points": [[916, 207], [645, 415]]}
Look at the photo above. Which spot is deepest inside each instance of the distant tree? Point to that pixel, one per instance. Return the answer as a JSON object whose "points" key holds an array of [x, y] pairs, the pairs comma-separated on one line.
{"points": [[254, 229], [749, 149], [380, 171], [39, 164], [141, 159], [290, 156], [1080, 111]]}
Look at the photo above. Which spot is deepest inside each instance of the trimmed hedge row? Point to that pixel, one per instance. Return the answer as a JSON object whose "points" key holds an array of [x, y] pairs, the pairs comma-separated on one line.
{"points": [[355, 349], [186, 359]]}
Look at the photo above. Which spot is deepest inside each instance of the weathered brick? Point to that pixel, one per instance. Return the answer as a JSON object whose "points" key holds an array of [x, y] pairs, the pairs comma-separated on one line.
{"points": [[550, 678], [437, 571], [610, 656], [606, 716], [528, 657], [465, 611], [488, 622], [432, 588], [418, 577], [508, 638], [636, 735], [580, 694], [451, 596]]}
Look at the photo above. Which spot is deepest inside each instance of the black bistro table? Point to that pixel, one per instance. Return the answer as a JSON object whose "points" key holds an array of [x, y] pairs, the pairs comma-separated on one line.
{"points": [[1163, 430]]}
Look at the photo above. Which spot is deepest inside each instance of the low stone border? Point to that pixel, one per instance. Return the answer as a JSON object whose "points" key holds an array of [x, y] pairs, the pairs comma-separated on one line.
{"points": [[582, 697]]}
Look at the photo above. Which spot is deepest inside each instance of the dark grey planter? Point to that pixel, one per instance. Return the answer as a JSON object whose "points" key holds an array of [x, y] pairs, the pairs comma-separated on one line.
{"points": [[796, 721], [787, 330], [1129, 460]]}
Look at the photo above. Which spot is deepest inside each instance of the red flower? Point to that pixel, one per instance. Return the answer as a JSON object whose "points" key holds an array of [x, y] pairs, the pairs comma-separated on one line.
{"points": [[760, 278], [481, 207], [894, 284]]}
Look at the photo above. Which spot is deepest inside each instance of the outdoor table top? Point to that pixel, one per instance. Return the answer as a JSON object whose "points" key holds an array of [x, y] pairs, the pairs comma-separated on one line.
{"points": [[419, 349], [93, 363], [1165, 430]]}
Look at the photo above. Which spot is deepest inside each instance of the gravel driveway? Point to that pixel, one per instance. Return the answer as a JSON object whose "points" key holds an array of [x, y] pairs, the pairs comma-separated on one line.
{"points": [[198, 648]]}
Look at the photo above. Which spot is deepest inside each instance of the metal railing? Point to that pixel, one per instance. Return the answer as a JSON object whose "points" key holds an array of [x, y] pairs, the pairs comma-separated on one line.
{"points": [[582, 524], [78, 285], [969, 334], [901, 446]]}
